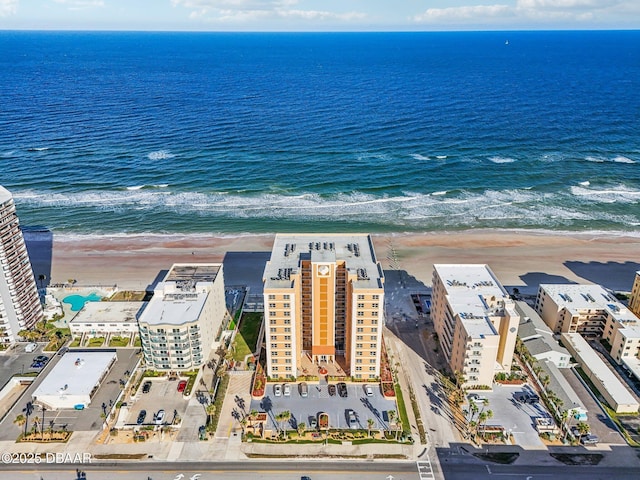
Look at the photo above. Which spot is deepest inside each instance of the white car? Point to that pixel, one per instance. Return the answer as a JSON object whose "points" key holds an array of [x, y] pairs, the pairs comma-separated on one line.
{"points": [[287, 390], [160, 417], [277, 390], [31, 347], [368, 390]]}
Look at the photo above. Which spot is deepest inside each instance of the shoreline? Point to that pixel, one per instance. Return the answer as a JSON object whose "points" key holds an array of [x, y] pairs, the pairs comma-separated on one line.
{"points": [[519, 258]]}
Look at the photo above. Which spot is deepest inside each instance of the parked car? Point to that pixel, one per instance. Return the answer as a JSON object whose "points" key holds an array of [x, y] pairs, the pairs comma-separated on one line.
{"points": [[159, 417], [342, 390], [475, 397], [368, 390], [41, 358], [63, 350], [146, 387], [351, 419], [332, 389], [37, 365], [277, 390], [526, 397], [182, 385], [304, 477], [286, 391], [31, 347], [589, 439], [141, 416], [304, 389], [313, 423]]}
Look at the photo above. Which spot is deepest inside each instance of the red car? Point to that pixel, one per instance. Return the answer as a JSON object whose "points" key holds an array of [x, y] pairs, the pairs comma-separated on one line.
{"points": [[182, 385]]}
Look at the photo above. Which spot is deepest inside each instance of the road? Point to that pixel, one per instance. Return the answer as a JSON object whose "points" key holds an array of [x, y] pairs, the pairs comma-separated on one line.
{"points": [[532, 472], [287, 470]]}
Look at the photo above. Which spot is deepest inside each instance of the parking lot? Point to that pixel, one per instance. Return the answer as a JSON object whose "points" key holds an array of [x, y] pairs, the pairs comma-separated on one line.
{"points": [[163, 395], [318, 400], [517, 418], [73, 420]]}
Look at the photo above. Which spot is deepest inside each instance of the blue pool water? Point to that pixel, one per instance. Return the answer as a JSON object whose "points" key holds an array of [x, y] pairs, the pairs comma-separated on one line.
{"points": [[78, 301]]}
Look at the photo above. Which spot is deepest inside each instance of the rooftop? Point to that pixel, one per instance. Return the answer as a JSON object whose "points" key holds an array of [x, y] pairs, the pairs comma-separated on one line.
{"points": [[4, 194], [356, 250], [108, 312], [578, 297], [475, 294], [77, 373], [561, 387], [197, 272]]}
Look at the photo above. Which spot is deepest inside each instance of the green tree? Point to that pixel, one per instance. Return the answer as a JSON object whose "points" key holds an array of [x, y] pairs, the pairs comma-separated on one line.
{"points": [[301, 428], [370, 423]]}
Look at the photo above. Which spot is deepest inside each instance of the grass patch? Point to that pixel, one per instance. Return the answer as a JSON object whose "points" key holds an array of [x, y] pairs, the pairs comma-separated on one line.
{"points": [[118, 342], [137, 342], [363, 441], [127, 296], [504, 458], [120, 456], [578, 458], [96, 342], [404, 419], [222, 390], [247, 336], [75, 342]]}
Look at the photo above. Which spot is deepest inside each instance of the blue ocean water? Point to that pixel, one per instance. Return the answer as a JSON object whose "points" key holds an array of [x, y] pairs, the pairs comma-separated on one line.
{"points": [[380, 132]]}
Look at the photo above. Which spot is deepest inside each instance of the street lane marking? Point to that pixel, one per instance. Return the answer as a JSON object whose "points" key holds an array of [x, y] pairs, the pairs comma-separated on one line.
{"points": [[424, 470]]}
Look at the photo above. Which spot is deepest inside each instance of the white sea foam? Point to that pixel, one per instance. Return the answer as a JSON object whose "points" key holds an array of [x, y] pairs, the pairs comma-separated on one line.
{"points": [[455, 209], [38, 149], [417, 156], [622, 159], [585, 184], [136, 187], [595, 159], [441, 157], [160, 155], [9, 153], [502, 159]]}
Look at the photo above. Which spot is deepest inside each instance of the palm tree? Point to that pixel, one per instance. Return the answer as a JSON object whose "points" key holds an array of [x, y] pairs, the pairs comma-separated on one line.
{"points": [[20, 420], [36, 422], [370, 423], [28, 410], [286, 415], [301, 428], [583, 429], [211, 411]]}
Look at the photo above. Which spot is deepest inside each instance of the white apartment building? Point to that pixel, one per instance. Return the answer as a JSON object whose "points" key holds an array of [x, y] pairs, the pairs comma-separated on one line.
{"points": [[20, 306], [593, 312], [476, 321], [179, 324], [323, 303]]}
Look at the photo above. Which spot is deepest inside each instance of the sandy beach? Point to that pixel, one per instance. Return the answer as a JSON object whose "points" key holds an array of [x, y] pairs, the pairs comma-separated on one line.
{"points": [[519, 259]]}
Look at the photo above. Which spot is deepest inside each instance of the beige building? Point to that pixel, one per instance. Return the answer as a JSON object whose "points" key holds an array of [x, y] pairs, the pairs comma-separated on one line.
{"points": [[179, 324], [20, 306], [476, 321], [323, 303], [593, 312], [634, 300]]}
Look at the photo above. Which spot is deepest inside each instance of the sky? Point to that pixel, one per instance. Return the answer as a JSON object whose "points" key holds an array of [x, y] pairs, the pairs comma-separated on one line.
{"points": [[319, 15]]}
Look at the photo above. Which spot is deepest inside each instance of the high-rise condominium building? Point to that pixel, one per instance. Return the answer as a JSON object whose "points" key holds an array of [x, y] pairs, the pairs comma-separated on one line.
{"points": [[20, 306], [634, 300], [180, 322], [476, 321], [323, 302]]}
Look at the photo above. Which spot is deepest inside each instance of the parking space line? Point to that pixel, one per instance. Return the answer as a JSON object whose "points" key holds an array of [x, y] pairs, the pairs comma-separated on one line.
{"points": [[424, 469]]}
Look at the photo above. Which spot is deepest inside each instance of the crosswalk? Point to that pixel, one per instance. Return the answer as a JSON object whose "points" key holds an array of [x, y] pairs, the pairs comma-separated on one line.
{"points": [[424, 470]]}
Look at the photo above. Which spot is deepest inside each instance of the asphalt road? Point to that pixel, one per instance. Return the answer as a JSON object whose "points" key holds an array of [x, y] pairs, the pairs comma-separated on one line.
{"points": [[287, 470], [532, 472]]}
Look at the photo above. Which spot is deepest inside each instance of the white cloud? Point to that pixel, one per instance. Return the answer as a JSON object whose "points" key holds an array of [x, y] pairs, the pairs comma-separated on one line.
{"points": [[8, 7], [526, 10], [239, 11], [81, 4], [460, 13]]}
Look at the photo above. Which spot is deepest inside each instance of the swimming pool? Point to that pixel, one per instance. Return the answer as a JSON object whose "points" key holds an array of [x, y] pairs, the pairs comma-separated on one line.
{"points": [[78, 301]]}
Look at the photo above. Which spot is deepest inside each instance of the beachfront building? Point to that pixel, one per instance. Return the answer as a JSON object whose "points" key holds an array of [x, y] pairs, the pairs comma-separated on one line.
{"points": [[591, 311], [179, 324], [106, 319], [20, 306], [476, 321], [634, 299], [323, 306]]}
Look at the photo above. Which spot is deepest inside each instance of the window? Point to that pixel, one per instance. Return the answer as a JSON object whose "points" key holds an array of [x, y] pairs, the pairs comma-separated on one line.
{"points": [[287, 360], [287, 345], [272, 321], [358, 360], [287, 329], [274, 337], [358, 345], [375, 297], [374, 330], [359, 353], [273, 329], [288, 369], [360, 313], [274, 360], [375, 320], [373, 345], [287, 305], [359, 329], [272, 297], [374, 313], [274, 354], [373, 338], [287, 321], [360, 297], [286, 313], [288, 353], [360, 321], [287, 337], [374, 305], [274, 345], [361, 305], [272, 305], [358, 369], [372, 369], [359, 337], [286, 297]]}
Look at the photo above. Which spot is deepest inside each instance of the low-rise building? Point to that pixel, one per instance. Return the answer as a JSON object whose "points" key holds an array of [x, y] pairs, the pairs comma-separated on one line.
{"points": [[72, 382], [593, 312], [476, 321], [99, 319], [179, 324], [538, 338], [613, 390]]}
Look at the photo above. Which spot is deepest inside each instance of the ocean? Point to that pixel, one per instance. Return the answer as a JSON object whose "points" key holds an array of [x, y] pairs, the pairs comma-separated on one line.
{"points": [[230, 133]]}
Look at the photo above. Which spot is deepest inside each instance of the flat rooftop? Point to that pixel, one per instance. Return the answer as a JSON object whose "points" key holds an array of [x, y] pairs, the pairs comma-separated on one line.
{"points": [[198, 272], [467, 286], [4, 194], [356, 250], [578, 297], [108, 312], [77, 373]]}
